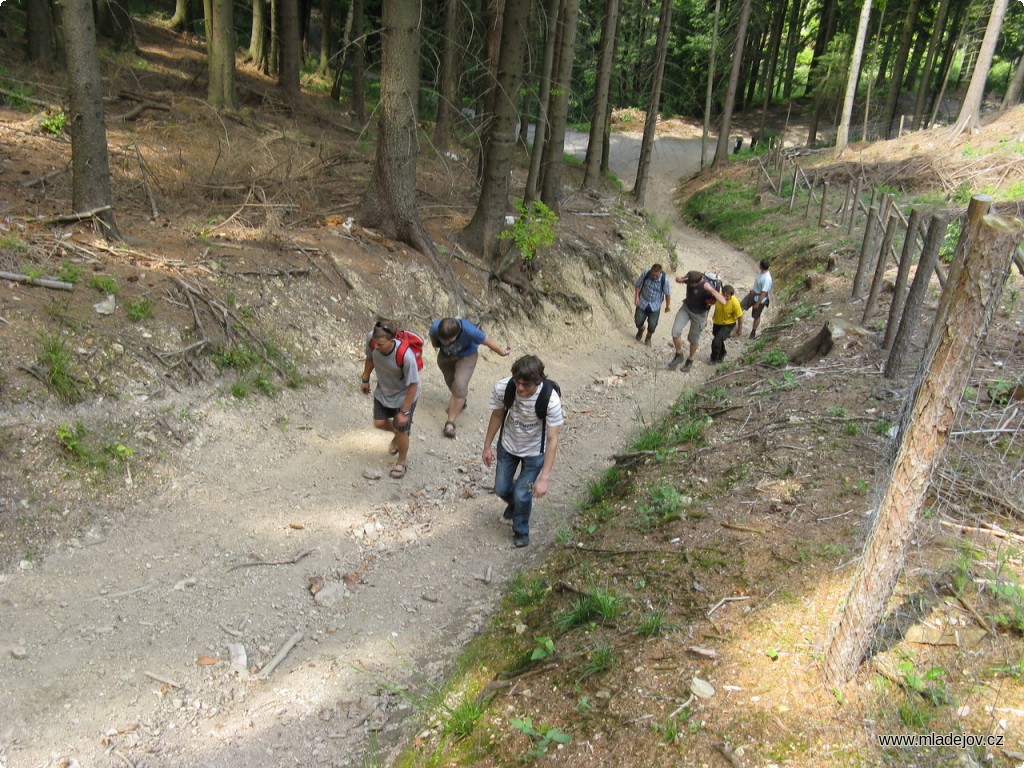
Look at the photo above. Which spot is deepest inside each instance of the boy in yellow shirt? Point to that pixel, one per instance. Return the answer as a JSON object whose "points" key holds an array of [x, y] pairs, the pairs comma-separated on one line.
{"points": [[727, 321]]}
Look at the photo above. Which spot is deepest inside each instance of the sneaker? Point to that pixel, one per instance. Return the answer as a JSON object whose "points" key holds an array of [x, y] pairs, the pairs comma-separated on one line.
{"points": [[507, 514], [753, 334], [687, 365], [647, 340], [675, 362], [521, 541], [639, 333]]}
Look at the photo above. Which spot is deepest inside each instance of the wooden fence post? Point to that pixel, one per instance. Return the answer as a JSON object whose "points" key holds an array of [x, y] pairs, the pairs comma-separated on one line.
{"points": [[933, 405], [880, 265], [899, 296], [824, 199], [918, 289], [866, 248], [853, 207], [792, 194]]}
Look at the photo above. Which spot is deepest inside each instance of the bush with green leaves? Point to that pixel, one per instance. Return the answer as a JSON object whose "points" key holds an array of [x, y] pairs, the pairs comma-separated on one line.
{"points": [[54, 123], [104, 284], [541, 738], [532, 230], [54, 361]]}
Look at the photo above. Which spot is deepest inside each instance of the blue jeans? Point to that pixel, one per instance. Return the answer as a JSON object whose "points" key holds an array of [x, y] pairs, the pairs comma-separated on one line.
{"points": [[647, 315], [517, 491]]}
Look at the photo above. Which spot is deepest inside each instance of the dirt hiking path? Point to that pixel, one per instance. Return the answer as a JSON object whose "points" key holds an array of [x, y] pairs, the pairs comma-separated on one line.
{"points": [[154, 639]]}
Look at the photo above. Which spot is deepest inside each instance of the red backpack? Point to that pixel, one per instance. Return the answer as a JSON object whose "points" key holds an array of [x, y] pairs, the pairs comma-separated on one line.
{"points": [[409, 340]]}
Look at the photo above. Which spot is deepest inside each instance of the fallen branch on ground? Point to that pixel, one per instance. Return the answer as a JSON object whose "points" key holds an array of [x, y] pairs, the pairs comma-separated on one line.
{"points": [[43, 282], [290, 561], [281, 654]]}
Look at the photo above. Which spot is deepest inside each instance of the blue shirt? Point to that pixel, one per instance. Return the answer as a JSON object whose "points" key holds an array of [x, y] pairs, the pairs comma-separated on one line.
{"points": [[470, 337], [653, 292]]}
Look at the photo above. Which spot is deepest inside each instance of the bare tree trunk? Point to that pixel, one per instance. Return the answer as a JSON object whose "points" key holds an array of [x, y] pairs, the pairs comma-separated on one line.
{"points": [[358, 100], [326, 32], [183, 17], [448, 87], [90, 162], [339, 66], [653, 102], [602, 96], [722, 149], [792, 46], [710, 88], [543, 125], [551, 170], [843, 134], [898, 66], [826, 30], [290, 64], [220, 56], [927, 72], [39, 33], [969, 118], [948, 363], [1013, 92], [500, 141]]}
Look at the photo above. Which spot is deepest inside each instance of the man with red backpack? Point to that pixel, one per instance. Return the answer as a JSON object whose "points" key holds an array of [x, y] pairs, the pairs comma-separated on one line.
{"points": [[526, 415], [396, 356]]}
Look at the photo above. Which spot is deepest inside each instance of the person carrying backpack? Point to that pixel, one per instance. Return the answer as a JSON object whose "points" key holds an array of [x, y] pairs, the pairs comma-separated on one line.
{"points": [[648, 292], [701, 295], [389, 353], [526, 415], [456, 342]]}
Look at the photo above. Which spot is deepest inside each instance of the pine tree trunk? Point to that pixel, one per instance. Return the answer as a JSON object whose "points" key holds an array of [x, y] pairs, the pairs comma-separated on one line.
{"points": [[722, 148], [792, 46], [389, 203], [448, 85], [924, 87], [602, 96], [220, 56], [710, 88], [500, 141], [339, 66], [653, 102], [1013, 92], [826, 31], [326, 33], [258, 36], [843, 134], [39, 33], [542, 128], [90, 162], [290, 65], [892, 96], [183, 16], [551, 170], [358, 95], [969, 118]]}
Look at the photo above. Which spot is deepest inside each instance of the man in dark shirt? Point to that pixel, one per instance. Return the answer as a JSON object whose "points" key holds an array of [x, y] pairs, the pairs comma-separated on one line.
{"points": [[700, 297]]}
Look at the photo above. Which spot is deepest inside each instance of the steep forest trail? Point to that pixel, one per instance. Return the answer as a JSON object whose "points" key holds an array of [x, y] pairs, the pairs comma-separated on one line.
{"points": [[136, 644]]}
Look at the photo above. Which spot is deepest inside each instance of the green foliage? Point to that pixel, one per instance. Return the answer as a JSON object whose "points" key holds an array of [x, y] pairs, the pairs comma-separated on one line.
{"points": [[72, 440], [600, 659], [13, 243], [598, 604], [68, 273], [1011, 614], [462, 718], [930, 686], [237, 358], [837, 412], [32, 272], [541, 738], [776, 358], [544, 648], [105, 284], [851, 428], [15, 94], [141, 309], [54, 360], [652, 624], [604, 486], [526, 590], [54, 124], [661, 505], [649, 439], [533, 229], [79, 445], [948, 248], [882, 428]]}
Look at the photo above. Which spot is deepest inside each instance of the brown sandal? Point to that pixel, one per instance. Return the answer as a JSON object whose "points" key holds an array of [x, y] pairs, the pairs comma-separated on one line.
{"points": [[449, 429], [398, 471]]}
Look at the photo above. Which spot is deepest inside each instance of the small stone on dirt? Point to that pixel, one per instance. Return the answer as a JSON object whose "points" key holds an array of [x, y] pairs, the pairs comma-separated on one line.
{"points": [[372, 474]]}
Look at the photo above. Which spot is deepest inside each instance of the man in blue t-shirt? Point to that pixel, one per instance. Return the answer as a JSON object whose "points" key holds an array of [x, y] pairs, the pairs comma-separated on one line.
{"points": [[456, 342], [649, 290]]}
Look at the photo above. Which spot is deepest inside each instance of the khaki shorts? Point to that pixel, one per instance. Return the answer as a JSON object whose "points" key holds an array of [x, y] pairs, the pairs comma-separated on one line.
{"points": [[457, 372]]}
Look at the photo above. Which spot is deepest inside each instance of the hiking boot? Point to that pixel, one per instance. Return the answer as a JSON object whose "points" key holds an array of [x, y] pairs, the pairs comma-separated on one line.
{"points": [[687, 365], [521, 541], [639, 333], [753, 335], [507, 514], [674, 363], [647, 340]]}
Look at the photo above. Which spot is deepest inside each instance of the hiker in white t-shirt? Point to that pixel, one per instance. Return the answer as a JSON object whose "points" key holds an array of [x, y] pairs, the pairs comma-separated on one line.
{"points": [[757, 300], [526, 415]]}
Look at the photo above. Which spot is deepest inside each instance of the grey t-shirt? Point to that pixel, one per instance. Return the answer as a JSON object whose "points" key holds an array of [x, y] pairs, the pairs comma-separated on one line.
{"points": [[392, 380]]}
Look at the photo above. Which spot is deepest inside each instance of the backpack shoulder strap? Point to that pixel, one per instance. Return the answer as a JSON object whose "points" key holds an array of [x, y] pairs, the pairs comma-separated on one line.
{"points": [[543, 399], [510, 394]]}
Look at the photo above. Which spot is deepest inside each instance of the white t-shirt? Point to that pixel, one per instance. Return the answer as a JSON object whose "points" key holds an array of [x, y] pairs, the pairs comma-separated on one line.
{"points": [[523, 429], [762, 283]]}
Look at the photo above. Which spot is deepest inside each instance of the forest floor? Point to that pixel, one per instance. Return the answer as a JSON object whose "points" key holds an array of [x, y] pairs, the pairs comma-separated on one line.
{"points": [[202, 566]]}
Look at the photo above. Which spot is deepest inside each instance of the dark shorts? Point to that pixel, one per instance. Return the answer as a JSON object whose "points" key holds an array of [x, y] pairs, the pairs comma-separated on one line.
{"points": [[748, 302], [382, 413]]}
